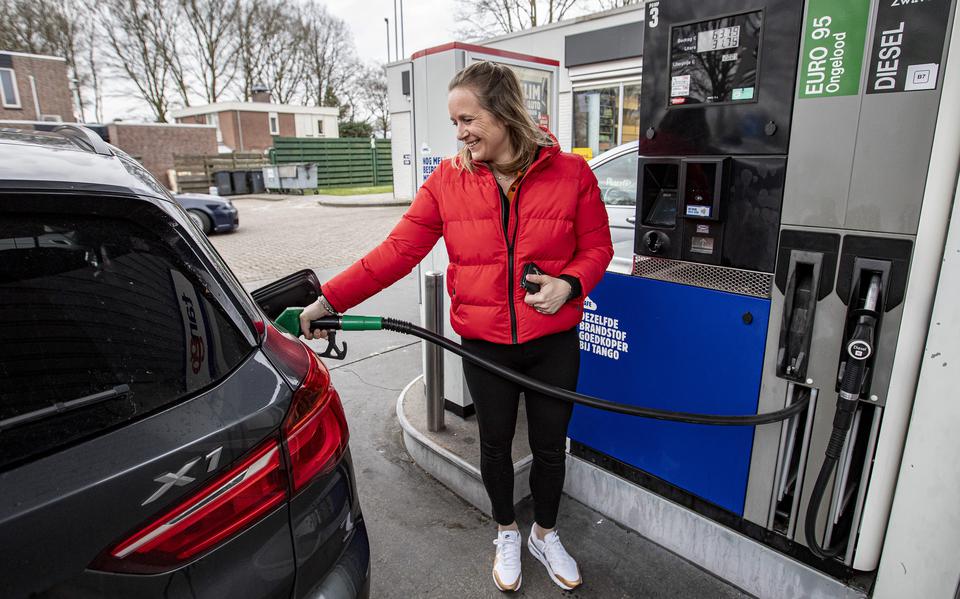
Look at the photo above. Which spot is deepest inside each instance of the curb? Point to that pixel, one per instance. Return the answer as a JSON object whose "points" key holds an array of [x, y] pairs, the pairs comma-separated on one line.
{"points": [[360, 204], [451, 470], [266, 197]]}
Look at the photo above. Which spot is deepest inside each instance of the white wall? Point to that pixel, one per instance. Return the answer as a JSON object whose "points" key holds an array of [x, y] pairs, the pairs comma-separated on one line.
{"points": [[307, 125], [402, 153]]}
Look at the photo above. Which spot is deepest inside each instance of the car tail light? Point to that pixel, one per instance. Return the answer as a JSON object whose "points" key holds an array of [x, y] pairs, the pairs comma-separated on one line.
{"points": [[315, 427], [226, 505], [315, 437]]}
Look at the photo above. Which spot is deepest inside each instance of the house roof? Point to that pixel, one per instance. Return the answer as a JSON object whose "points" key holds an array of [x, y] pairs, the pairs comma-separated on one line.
{"points": [[255, 107], [25, 55]]}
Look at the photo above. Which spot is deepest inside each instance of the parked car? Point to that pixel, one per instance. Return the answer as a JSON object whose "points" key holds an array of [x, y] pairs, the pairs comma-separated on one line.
{"points": [[616, 172], [211, 214], [158, 435]]}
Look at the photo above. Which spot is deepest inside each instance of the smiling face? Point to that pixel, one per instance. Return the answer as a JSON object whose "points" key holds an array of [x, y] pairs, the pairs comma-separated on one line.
{"points": [[484, 135]]}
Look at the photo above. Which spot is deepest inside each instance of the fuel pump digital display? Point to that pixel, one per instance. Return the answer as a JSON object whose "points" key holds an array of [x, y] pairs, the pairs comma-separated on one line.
{"points": [[715, 61], [718, 39]]}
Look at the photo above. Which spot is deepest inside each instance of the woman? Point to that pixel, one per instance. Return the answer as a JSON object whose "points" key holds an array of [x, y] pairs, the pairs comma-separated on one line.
{"points": [[508, 199]]}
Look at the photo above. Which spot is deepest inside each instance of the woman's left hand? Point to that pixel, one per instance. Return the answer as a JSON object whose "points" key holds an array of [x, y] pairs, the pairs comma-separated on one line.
{"points": [[553, 294]]}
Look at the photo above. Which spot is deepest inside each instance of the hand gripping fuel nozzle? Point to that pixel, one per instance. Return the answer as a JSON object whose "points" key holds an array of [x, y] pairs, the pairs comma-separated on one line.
{"points": [[289, 321]]}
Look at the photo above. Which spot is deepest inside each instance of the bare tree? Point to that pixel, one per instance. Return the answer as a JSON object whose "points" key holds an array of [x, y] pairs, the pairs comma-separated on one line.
{"points": [[330, 57], [284, 67], [214, 48], [172, 40], [373, 87], [94, 81], [485, 18], [74, 23], [136, 32], [257, 22], [300, 52], [32, 27]]}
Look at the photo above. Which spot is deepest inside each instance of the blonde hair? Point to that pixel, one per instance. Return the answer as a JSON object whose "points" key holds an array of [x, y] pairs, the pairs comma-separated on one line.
{"points": [[498, 90]]}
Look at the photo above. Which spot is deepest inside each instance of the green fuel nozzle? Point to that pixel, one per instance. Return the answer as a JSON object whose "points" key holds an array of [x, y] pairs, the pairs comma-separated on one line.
{"points": [[349, 323], [289, 321]]}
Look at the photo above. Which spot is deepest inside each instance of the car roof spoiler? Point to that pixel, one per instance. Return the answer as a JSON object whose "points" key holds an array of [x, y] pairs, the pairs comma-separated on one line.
{"points": [[81, 136]]}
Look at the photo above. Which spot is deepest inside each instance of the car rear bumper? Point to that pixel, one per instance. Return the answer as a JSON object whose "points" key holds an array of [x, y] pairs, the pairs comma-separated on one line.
{"points": [[350, 576]]}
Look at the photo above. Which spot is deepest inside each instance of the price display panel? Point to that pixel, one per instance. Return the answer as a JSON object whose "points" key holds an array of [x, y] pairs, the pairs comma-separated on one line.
{"points": [[715, 61]]}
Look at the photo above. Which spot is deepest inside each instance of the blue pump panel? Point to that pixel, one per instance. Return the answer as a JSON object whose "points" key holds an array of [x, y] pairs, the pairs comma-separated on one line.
{"points": [[676, 347]]}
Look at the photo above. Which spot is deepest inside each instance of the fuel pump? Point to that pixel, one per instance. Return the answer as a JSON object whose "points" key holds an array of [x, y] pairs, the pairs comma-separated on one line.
{"points": [[782, 172]]}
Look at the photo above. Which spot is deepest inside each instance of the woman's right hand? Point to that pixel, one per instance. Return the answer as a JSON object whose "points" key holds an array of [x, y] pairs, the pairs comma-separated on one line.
{"points": [[313, 312]]}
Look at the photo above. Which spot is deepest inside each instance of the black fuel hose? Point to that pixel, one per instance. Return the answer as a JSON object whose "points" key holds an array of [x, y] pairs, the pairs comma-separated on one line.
{"points": [[850, 385], [407, 328], [810, 521], [859, 348]]}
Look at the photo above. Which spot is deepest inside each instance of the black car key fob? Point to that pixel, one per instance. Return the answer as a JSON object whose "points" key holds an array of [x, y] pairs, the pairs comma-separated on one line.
{"points": [[530, 269]]}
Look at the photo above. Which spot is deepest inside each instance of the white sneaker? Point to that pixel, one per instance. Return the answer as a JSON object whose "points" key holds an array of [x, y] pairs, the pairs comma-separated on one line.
{"points": [[560, 566], [506, 564]]}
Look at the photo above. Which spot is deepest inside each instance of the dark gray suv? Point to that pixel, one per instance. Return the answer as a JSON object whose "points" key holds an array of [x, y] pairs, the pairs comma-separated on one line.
{"points": [[158, 435]]}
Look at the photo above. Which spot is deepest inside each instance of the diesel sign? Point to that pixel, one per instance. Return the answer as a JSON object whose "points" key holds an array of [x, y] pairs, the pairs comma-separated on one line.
{"points": [[907, 45]]}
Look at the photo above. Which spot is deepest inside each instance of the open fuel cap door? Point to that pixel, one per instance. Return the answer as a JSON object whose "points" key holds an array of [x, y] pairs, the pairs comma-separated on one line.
{"points": [[298, 289], [293, 292]]}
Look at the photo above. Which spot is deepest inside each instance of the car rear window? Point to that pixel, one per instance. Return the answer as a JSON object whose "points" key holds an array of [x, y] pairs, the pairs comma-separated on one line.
{"points": [[100, 306]]}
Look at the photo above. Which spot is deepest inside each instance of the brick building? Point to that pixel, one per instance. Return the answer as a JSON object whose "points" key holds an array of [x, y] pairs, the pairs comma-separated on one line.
{"points": [[155, 144], [251, 126], [34, 88]]}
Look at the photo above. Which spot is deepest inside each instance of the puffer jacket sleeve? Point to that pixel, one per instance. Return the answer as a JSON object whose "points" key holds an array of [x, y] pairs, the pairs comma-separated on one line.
{"points": [[406, 245], [594, 247]]}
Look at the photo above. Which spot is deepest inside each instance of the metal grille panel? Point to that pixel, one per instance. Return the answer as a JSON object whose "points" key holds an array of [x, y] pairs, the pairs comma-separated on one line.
{"points": [[720, 278]]}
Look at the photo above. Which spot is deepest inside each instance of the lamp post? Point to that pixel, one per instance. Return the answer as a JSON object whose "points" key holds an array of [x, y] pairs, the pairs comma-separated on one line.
{"points": [[396, 38], [386, 23], [403, 51]]}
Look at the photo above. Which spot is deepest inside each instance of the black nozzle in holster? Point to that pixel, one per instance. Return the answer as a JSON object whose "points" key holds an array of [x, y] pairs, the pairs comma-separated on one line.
{"points": [[858, 353]]}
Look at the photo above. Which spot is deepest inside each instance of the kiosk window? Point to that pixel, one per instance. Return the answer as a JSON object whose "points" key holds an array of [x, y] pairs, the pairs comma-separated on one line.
{"points": [[630, 125], [596, 119], [715, 61], [605, 116]]}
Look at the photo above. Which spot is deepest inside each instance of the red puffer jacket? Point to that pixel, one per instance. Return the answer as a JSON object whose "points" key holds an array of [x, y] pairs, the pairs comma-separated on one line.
{"points": [[556, 220]]}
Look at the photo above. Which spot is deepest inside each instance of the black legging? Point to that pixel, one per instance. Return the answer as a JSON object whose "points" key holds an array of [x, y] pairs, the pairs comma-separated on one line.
{"points": [[554, 359]]}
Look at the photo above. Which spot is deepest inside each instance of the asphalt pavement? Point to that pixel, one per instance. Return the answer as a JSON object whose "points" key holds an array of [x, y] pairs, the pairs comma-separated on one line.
{"points": [[425, 540]]}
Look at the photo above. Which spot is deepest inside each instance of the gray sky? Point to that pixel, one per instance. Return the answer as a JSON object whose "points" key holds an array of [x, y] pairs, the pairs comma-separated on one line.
{"points": [[426, 24]]}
